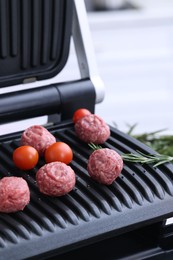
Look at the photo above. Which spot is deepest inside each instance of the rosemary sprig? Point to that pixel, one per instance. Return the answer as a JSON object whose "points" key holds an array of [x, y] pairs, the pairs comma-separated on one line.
{"points": [[163, 144], [142, 158], [95, 146]]}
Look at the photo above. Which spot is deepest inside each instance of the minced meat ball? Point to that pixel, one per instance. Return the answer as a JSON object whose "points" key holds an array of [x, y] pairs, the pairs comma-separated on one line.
{"points": [[14, 194], [92, 129], [55, 179], [38, 137], [105, 165]]}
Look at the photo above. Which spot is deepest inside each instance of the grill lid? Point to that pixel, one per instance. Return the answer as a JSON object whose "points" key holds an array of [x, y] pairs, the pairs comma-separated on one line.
{"points": [[34, 39], [140, 196]]}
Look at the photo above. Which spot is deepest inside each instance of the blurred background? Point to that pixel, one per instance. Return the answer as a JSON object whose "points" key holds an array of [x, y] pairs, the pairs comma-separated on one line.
{"points": [[133, 44]]}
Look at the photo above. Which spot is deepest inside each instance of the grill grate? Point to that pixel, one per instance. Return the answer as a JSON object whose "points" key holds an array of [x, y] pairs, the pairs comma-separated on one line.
{"points": [[34, 38], [141, 195]]}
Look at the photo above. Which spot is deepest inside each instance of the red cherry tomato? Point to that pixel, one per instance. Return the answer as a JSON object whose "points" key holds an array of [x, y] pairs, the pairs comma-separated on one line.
{"points": [[59, 151], [25, 157], [79, 113]]}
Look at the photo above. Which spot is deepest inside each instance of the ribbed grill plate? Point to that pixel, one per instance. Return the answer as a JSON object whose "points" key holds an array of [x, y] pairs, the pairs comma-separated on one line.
{"points": [[34, 39], [141, 195]]}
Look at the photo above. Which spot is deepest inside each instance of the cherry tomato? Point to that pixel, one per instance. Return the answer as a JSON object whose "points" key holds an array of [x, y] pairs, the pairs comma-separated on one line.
{"points": [[59, 151], [25, 157], [79, 113]]}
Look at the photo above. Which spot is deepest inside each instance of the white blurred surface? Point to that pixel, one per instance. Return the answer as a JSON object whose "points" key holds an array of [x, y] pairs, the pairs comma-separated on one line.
{"points": [[134, 52]]}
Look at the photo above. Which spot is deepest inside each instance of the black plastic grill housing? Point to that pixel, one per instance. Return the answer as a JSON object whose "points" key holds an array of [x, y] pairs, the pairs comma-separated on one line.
{"points": [[34, 39], [141, 195]]}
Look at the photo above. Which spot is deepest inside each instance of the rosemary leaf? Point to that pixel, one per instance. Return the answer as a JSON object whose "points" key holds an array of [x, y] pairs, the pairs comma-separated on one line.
{"points": [[131, 128], [163, 144], [148, 159], [94, 146]]}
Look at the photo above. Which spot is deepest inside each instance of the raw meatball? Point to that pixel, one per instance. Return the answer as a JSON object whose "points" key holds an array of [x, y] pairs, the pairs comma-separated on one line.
{"points": [[105, 165], [55, 179], [38, 137], [14, 194], [92, 129]]}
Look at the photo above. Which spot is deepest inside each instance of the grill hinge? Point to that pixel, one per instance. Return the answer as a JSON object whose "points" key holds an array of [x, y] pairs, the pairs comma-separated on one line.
{"points": [[60, 99], [74, 96]]}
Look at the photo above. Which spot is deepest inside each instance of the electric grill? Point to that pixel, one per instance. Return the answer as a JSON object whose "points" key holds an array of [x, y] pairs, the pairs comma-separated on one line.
{"points": [[126, 220]]}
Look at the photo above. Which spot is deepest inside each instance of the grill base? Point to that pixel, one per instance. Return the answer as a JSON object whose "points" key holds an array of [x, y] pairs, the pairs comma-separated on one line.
{"points": [[132, 209], [138, 244]]}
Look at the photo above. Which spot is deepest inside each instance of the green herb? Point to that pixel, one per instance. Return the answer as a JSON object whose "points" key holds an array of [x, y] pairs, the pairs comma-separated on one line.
{"points": [[95, 146], [142, 158], [163, 144]]}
